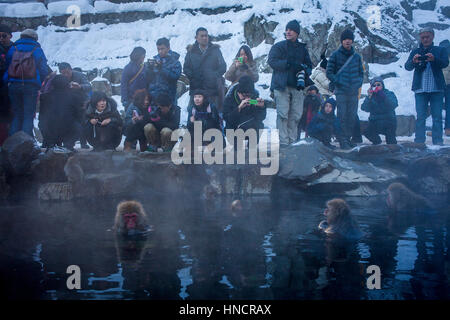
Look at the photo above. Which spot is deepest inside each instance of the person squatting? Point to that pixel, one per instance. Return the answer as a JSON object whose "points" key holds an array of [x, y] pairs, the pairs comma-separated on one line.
{"points": [[306, 99]]}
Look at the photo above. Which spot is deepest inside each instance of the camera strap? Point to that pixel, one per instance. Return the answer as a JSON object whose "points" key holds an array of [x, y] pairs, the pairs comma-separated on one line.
{"points": [[137, 74]]}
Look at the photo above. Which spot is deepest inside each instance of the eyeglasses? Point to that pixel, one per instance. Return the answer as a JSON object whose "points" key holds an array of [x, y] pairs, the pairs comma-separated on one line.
{"points": [[246, 95], [3, 35], [377, 85]]}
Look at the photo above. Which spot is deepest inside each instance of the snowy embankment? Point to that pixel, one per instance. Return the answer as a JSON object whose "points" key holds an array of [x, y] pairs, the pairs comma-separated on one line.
{"points": [[108, 46]]}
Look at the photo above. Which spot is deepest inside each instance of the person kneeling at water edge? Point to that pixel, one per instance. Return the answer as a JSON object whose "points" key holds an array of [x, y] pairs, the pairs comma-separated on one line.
{"points": [[163, 120]]}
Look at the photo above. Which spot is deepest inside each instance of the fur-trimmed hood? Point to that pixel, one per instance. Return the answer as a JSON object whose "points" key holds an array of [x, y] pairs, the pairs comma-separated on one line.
{"points": [[194, 45]]}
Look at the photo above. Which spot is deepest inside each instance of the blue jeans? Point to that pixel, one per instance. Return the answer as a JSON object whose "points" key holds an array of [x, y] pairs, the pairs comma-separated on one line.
{"points": [[347, 114], [435, 99], [447, 106], [23, 99]]}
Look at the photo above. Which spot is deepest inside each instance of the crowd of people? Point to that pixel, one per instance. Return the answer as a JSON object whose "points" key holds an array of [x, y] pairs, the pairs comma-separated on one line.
{"points": [[305, 97]]}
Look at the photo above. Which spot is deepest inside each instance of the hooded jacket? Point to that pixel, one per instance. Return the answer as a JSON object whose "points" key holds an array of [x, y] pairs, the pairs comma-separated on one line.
{"points": [[204, 70], [128, 89], [27, 45], [439, 63], [164, 78], [325, 124], [109, 112], [382, 104], [207, 114], [231, 113]]}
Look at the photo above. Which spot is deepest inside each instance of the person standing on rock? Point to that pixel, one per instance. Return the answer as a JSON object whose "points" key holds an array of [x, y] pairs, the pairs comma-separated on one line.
{"points": [[5, 108], [428, 85], [204, 66], [345, 72], [446, 44], [291, 66], [164, 71], [134, 76], [26, 70], [78, 83]]}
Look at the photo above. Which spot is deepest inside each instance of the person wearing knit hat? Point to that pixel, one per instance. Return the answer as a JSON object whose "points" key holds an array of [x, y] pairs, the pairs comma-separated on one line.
{"points": [[29, 33], [428, 84], [23, 85], [345, 72], [242, 108], [311, 105], [381, 104], [292, 68], [324, 125]]}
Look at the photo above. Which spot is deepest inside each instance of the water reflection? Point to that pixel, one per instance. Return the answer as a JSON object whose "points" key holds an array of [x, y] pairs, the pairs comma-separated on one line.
{"points": [[269, 250]]}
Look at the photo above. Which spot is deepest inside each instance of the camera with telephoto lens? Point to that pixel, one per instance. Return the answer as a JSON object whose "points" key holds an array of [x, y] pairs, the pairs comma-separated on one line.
{"points": [[300, 80]]}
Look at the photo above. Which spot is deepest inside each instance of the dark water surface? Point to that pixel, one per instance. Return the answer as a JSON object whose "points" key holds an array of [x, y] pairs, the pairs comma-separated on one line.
{"points": [[201, 250]]}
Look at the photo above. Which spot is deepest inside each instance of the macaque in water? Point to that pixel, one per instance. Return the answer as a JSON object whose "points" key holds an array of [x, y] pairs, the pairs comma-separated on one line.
{"points": [[339, 220], [400, 198], [130, 218]]}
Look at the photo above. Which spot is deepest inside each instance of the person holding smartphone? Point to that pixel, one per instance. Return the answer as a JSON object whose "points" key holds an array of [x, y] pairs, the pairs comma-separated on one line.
{"points": [[243, 65], [243, 109]]}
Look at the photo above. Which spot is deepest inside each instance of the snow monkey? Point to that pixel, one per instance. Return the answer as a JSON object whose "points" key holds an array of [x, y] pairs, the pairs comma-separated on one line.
{"points": [[400, 198], [130, 218], [339, 220]]}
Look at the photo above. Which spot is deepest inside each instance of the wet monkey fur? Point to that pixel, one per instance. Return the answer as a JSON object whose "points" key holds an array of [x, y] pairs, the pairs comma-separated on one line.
{"points": [[130, 217]]}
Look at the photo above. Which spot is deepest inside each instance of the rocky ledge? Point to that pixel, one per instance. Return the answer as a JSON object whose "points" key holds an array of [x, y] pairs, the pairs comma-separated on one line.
{"points": [[307, 166]]}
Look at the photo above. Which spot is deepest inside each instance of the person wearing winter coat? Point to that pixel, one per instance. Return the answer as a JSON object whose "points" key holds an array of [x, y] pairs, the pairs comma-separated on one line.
{"points": [[243, 65], [134, 76], [164, 71], [243, 109], [164, 119], [381, 104], [204, 66], [291, 66], [103, 124], [319, 77], [5, 107], [428, 84], [136, 117], [345, 72], [61, 114], [324, 125], [203, 111], [23, 91], [311, 106], [446, 44]]}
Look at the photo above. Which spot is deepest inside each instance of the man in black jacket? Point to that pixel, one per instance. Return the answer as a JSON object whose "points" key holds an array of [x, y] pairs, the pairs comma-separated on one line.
{"points": [[291, 66], [242, 109], [204, 66], [164, 119]]}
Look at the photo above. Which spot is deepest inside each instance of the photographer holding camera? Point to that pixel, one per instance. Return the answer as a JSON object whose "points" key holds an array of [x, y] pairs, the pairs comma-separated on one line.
{"points": [[291, 66], [164, 70], [381, 104], [427, 61]]}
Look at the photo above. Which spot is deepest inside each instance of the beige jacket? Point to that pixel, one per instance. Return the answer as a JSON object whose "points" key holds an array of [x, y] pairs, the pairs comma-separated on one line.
{"points": [[321, 81], [235, 73]]}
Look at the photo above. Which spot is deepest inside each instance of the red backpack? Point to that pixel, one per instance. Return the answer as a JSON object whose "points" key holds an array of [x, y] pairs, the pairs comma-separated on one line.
{"points": [[23, 65]]}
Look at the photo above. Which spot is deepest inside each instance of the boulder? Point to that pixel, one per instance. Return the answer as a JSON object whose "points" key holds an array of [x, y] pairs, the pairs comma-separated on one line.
{"points": [[19, 151], [113, 75], [257, 29], [49, 167], [431, 174], [181, 88], [55, 191], [310, 166]]}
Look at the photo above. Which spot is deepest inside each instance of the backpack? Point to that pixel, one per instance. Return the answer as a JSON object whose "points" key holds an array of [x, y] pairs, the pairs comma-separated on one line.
{"points": [[22, 65]]}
